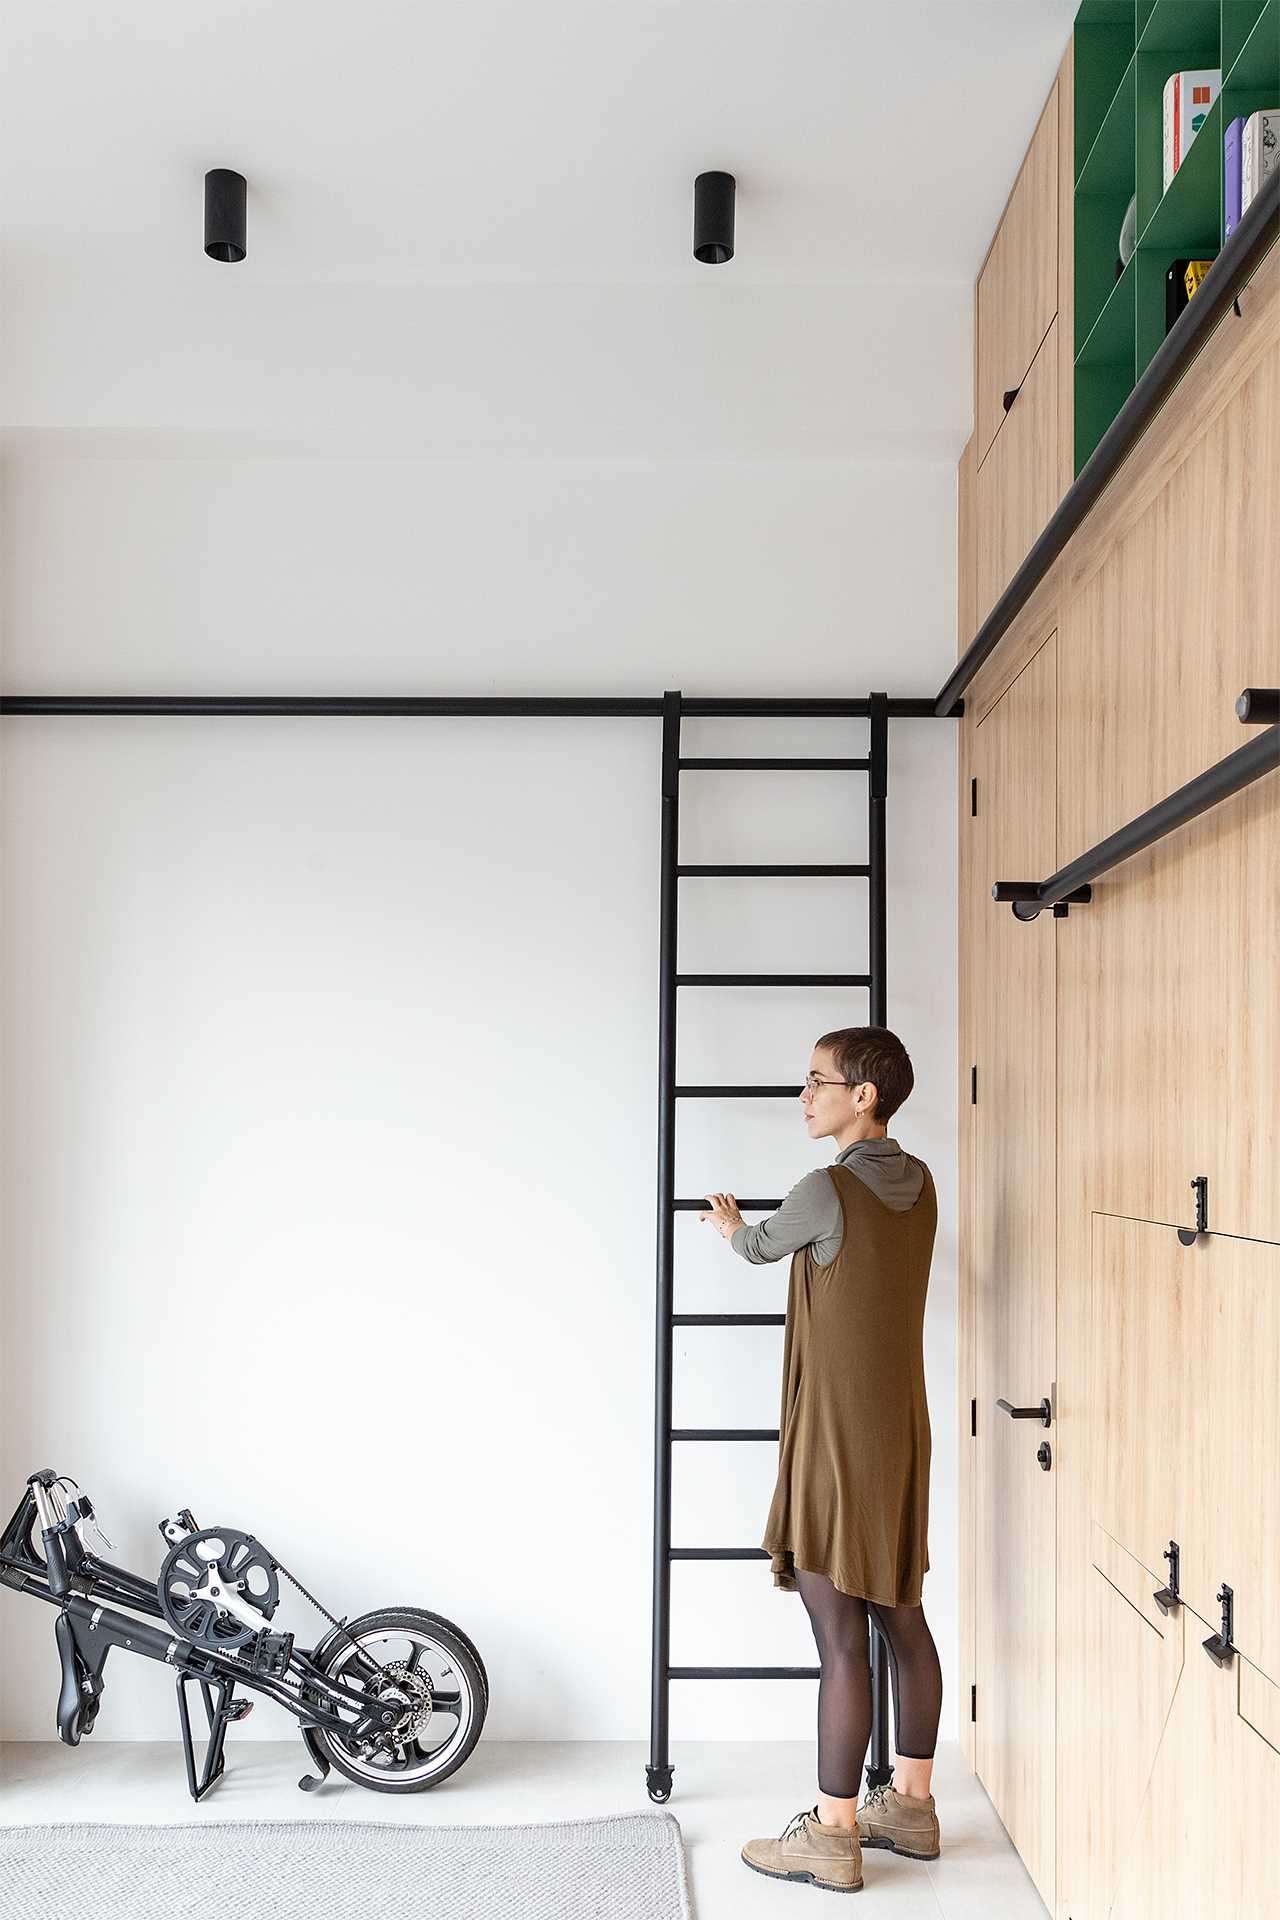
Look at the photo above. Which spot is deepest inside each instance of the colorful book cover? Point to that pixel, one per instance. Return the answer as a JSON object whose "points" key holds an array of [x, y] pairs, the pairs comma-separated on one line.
{"points": [[1232, 143], [1188, 97], [1258, 150]]}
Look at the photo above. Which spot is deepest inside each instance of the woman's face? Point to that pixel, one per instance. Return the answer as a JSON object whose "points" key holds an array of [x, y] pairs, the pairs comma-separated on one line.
{"points": [[828, 1107]]}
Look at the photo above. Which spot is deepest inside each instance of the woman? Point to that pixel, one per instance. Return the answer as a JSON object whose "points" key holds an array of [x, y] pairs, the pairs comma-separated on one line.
{"points": [[849, 1520]]}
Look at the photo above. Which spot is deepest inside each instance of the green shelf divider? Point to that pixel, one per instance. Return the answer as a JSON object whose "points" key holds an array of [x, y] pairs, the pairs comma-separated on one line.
{"points": [[1256, 68], [1189, 29], [1239, 18], [1109, 342], [1103, 192]]}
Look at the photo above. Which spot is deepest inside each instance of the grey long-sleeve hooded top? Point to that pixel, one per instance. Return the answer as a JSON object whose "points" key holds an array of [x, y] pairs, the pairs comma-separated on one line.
{"points": [[810, 1215]]}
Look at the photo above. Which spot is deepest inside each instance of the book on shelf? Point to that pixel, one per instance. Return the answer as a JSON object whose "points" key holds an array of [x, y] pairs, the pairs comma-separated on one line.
{"points": [[1180, 284], [1232, 141], [1258, 149], [1188, 97]]}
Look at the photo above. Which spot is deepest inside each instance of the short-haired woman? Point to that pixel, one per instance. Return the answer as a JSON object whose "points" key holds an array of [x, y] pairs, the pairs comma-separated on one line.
{"points": [[848, 1526]]}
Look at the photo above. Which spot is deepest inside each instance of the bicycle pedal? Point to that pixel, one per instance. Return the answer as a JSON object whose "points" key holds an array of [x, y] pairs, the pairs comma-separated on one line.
{"points": [[240, 1709]]}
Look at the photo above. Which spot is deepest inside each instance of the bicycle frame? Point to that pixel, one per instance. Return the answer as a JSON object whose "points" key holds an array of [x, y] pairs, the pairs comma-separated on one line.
{"points": [[90, 1595]]}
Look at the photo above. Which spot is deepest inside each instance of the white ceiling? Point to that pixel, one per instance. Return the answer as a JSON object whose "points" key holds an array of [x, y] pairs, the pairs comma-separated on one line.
{"points": [[469, 227]]}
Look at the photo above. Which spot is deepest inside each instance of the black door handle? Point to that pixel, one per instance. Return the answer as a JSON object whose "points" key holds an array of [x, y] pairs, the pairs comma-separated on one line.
{"points": [[1010, 395], [1043, 1413]]}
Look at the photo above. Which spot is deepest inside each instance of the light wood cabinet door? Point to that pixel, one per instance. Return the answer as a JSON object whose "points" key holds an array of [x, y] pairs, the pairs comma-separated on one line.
{"points": [[1132, 1660], [1204, 1840], [1170, 979], [1018, 287], [1017, 485], [1013, 1278], [1184, 1417]]}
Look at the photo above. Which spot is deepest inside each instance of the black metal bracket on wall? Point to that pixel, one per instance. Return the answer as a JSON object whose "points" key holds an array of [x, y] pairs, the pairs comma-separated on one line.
{"points": [[1200, 1187]]}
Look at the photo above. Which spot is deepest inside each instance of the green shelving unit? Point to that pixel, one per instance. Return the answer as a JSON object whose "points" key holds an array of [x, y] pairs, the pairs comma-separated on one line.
{"points": [[1125, 50]]}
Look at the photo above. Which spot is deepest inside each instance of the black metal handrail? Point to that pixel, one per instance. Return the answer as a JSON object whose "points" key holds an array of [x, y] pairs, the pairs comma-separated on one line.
{"points": [[1239, 769], [1220, 287]]}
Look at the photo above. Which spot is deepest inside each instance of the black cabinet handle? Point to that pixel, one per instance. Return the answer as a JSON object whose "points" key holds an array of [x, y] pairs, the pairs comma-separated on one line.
{"points": [[1043, 1413], [1010, 395]]}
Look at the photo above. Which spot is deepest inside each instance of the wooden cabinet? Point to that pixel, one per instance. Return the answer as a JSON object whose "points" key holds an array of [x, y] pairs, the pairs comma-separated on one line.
{"points": [[1017, 483], [1013, 1276], [1018, 286]]}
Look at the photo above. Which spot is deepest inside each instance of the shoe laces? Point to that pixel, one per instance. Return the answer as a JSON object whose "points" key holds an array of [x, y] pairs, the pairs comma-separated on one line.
{"points": [[877, 1796], [799, 1823]]}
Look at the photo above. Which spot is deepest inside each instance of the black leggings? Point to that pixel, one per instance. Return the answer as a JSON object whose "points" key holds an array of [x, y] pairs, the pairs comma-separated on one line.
{"points": [[839, 1622]]}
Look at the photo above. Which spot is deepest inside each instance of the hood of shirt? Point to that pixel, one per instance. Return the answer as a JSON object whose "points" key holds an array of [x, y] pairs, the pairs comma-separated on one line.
{"points": [[892, 1175]]}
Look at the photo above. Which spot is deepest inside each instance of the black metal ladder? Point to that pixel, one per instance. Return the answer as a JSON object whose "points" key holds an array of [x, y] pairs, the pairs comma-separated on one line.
{"points": [[659, 1771]]}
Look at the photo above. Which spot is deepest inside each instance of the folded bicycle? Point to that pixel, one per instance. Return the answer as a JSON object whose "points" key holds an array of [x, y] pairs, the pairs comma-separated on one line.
{"points": [[395, 1699]]}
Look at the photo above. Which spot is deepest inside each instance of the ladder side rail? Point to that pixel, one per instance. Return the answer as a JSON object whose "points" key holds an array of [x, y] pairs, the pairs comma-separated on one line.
{"points": [[659, 1770], [879, 1766]]}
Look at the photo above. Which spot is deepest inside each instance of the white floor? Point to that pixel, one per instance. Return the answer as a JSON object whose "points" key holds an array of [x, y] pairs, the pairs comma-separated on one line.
{"points": [[725, 1793]]}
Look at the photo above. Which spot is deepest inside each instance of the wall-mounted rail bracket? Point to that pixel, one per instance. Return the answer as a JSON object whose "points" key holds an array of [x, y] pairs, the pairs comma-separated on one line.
{"points": [[1169, 1597], [1218, 1646], [1200, 1187], [1026, 899]]}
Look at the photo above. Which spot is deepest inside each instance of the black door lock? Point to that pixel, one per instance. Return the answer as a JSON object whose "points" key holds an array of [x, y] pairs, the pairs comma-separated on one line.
{"points": [[1044, 1455]]}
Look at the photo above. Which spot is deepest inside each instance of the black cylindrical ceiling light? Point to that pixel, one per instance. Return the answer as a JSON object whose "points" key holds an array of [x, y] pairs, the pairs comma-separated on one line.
{"points": [[713, 218], [224, 196]]}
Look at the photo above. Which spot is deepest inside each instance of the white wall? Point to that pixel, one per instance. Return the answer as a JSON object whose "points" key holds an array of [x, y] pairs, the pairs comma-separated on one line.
{"points": [[330, 1046]]}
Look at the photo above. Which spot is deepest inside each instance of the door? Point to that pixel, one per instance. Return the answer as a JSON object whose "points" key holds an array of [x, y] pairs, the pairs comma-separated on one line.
{"points": [[1015, 1272]]}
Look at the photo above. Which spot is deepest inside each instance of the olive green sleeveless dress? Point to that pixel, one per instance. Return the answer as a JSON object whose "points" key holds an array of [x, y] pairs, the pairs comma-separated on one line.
{"points": [[852, 1499]]}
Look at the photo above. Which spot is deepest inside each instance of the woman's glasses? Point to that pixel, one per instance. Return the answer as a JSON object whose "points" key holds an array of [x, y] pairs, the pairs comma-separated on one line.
{"points": [[813, 1081]]}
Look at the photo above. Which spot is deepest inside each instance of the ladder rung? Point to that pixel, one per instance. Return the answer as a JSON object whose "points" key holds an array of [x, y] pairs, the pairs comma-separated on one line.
{"points": [[773, 979], [744, 1206], [774, 872], [728, 1319], [717, 1553], [724, 1433], [761, 766], [737, 1093], [744, 1673]]}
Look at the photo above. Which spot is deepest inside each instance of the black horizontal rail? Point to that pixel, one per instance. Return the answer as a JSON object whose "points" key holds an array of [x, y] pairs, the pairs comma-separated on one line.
{"points": [[808, 872], [728, 1319], [448, 706], [774, 766], [744, 1673], [773, 979], [744, 1206], [718, 1553], [737, 1093], [1258, 756], [724, 1433], [1222, 284]]}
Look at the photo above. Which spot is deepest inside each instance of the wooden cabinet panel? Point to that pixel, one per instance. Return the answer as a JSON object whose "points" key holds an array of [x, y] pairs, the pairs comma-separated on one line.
{"points": [[966, 549], [1168, 982], [1132, 1662], [1018, 483], [1013, 1275], [1018, 287], [1183, 1416], [1204, 1839]]}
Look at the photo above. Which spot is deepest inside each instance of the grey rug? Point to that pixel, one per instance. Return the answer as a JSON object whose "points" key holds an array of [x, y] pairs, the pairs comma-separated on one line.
{"points": [[626, 1866]]}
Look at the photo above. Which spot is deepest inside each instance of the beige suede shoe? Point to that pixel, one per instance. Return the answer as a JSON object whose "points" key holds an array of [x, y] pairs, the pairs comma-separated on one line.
{"points": [[826, 1856], [901, 1823]]}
